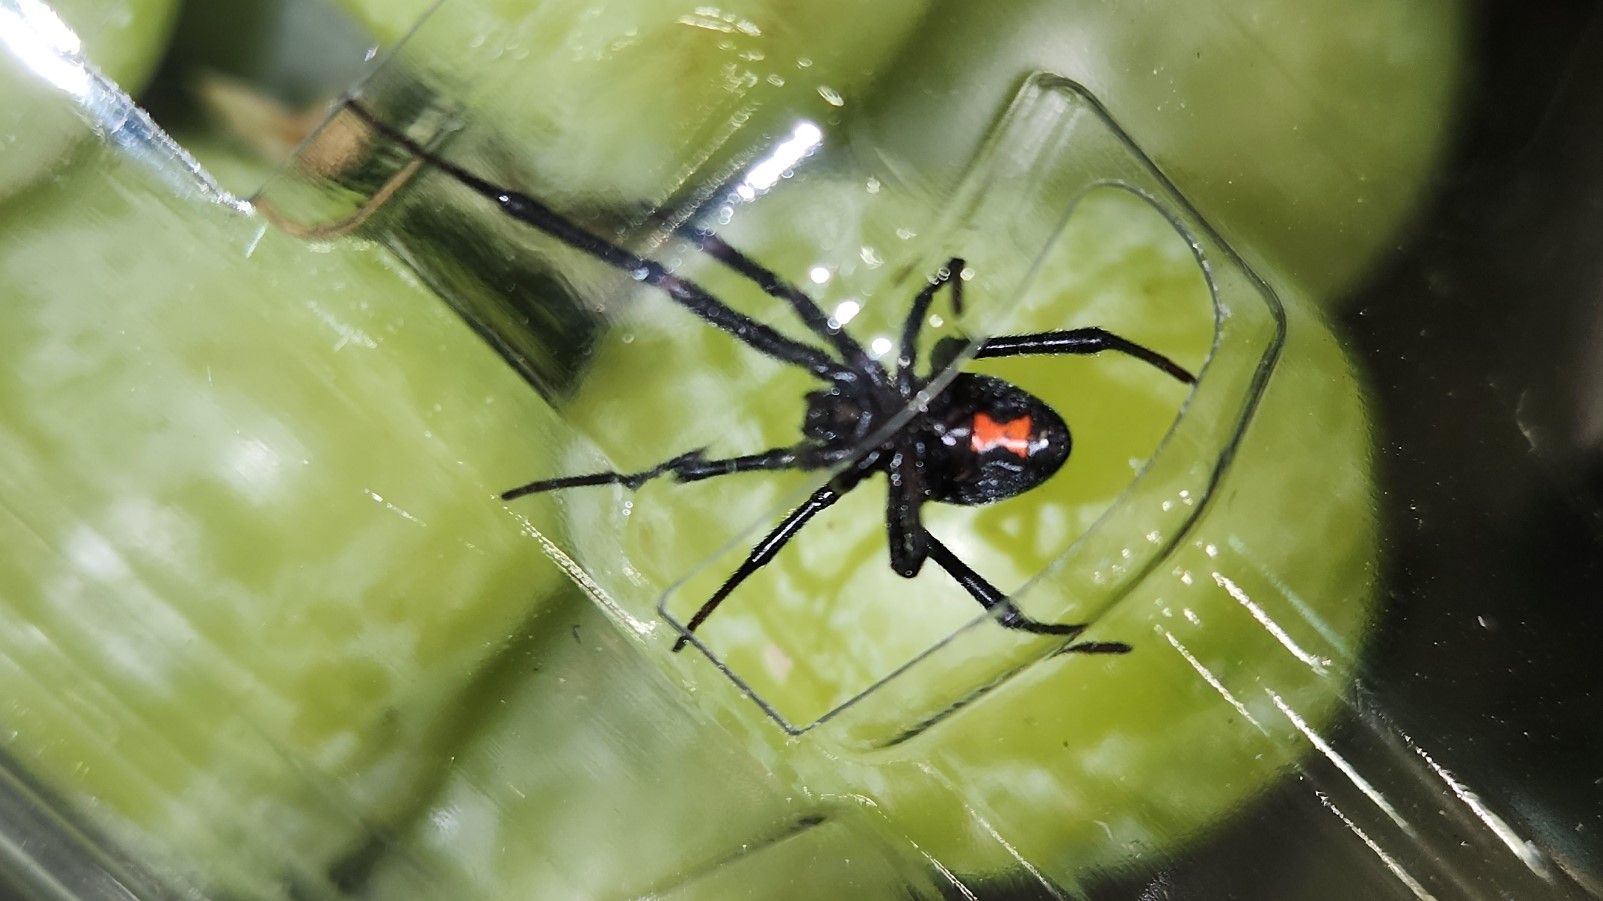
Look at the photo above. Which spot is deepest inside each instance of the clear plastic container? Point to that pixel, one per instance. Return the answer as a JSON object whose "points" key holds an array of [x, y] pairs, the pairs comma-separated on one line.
{"points": [[271, 631]]}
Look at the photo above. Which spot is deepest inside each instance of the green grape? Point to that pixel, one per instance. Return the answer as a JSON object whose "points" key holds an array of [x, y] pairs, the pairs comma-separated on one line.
{"points": [[1076, 760], [1308, 134], [266, 562], [1244, 641], [124, 39], [595, 780], [624, 99], [256, 558]]}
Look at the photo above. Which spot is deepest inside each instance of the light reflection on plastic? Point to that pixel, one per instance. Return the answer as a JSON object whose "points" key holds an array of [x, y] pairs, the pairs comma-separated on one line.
{"points": [[1230, 698], [1318, 664], [846, 312], [1387, 860], [1522, 848], [802, 141], [1347, 769], [43, 43]]}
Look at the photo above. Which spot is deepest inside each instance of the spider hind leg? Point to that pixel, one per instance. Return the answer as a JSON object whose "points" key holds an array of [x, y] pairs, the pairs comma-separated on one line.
{"points": [[1008, 615], [765, 551]]}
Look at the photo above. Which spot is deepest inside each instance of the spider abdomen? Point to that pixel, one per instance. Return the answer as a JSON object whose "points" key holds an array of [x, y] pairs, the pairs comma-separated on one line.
{"points": [[991, 440]]}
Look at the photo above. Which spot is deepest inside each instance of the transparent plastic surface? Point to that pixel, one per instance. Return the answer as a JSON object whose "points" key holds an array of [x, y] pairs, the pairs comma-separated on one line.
{"points": [[1054, 149], [78, 46], [416, 690]]}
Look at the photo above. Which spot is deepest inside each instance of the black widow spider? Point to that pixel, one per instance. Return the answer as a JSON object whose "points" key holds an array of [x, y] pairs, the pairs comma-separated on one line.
{"points": [[976, 440]]}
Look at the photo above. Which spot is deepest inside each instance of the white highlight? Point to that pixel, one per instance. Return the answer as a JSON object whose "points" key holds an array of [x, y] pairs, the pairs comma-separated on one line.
{"points": [[1396, 868], [582, 579], [1247, 558], [846, 312], [818, 274], [348, 334], [255, 462], [1212, 680], [378, 498], [1359, 782], [880, 346], [1499, 827], [1319, 664], [96, 557], [1341, 764], [714, 19], [802, 141], [44, 44]]}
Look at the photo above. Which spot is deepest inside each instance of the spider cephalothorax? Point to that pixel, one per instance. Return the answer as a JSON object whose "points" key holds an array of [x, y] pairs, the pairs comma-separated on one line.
{"points": [[973, 439]]}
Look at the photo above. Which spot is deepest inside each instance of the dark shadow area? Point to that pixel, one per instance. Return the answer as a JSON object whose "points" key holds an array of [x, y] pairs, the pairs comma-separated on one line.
{"points": [[1482, 345]]}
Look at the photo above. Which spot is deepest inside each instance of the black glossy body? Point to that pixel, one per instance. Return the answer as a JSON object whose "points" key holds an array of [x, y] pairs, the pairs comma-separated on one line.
{"points": [[976, 440]]}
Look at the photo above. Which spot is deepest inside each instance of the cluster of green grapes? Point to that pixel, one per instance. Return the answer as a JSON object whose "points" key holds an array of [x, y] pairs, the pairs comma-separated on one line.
{"points": [[265, 623]]}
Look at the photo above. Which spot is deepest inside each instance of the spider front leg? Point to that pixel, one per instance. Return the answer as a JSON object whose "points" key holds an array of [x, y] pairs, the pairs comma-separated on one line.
{"points": [[919, 311], [536, 214], [772, 284], [693, 467], [689, 467], [1009, 615], [1078, 341]]}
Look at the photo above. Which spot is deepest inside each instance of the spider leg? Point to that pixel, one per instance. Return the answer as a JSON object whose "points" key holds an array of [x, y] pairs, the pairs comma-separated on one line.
{"points": [[1010, 615], [535, 214], [919, 312], [1096, 647], [775, 286], [1079, 341], [689, 467], [906, 537], [766, 549]]}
